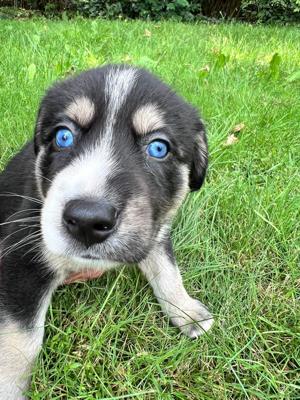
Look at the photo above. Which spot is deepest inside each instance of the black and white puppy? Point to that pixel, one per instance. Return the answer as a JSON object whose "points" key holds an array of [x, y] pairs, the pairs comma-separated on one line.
{"points": [[114, 154]]}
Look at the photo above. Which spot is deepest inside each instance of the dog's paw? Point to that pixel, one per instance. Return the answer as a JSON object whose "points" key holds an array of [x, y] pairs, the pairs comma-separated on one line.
{"points": [[193, 319]]}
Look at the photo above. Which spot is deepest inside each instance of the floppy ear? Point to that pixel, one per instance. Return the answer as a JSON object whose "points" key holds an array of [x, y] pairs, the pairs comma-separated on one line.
{"points": [[199, 158]]}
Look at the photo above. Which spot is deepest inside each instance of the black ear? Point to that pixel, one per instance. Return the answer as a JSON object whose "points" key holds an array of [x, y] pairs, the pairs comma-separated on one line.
{"points": [[199, 157]]}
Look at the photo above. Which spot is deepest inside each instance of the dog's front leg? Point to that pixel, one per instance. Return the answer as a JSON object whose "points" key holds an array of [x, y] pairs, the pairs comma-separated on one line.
{"points": [[25, 293], [161, 271], [19, 348]]}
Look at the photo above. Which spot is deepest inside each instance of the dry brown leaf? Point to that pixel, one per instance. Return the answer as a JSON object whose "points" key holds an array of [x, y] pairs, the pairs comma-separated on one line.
{"points": [[232, 139], [239, 127], [147, 33]]}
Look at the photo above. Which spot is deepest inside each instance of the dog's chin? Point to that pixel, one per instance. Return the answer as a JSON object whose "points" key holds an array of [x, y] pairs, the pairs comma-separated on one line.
{"points": [[70, 260], [91, 261], [65, 263]]}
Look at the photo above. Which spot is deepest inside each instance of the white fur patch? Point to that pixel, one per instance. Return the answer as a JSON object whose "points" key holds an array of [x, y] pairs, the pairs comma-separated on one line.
{"points": [[118, 85], [85, 176], [185, 312], [180, 195], [18, 351], [65, 265], [184, 188], [81, 110], [148, 118], [38, 172]]}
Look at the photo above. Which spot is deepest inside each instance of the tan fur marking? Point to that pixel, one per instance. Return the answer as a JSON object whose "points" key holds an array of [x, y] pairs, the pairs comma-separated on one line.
{"points": [[148, 118], [81, 110]]}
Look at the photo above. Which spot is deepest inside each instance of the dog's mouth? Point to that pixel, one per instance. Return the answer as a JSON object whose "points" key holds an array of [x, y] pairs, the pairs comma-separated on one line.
{"points": [[94, 259], [110, 253], [90, 257]]}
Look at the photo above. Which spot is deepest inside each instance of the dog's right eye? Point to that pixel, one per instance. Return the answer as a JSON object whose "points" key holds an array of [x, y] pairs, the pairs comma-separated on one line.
{"points": [[64, 138], [158, 148]]}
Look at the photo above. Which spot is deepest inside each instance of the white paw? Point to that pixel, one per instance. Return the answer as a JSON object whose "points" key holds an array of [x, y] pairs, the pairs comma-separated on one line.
{"points": [[193, 318]]}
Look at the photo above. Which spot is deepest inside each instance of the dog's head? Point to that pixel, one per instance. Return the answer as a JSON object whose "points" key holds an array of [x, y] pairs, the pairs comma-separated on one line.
{"points": [[116, 153]]}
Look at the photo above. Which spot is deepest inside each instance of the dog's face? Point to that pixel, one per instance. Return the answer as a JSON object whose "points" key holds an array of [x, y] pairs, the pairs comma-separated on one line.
{"points": [[116, 153]]}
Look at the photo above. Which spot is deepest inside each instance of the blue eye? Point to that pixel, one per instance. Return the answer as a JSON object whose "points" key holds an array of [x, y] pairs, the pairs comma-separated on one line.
{"points": [[64, 138], [158, 149]]}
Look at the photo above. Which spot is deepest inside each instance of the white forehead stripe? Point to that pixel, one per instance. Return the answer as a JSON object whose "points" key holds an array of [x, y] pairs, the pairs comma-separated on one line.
{"points": [[81, 110], [118, 84], [148, 118]]}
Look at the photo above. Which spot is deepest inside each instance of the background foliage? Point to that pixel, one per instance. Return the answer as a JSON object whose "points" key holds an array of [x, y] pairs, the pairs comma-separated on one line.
{"points": [[270, 10], [185, 10]]}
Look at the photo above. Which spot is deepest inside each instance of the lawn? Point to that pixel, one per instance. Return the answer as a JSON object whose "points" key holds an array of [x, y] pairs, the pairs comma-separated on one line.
{"points": [[236, 241]]}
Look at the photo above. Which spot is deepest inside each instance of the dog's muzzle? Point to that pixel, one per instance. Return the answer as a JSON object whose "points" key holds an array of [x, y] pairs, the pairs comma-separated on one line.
{"points": [[89, 221]]}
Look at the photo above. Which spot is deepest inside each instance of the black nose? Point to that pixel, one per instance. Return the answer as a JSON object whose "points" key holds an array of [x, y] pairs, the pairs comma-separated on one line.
{"points": [[89, 221]]}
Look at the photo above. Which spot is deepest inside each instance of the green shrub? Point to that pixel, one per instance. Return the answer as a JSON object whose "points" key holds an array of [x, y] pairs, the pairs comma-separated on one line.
{"points": [[147, 9], [270, 10], [41, 5], [184, 10]]}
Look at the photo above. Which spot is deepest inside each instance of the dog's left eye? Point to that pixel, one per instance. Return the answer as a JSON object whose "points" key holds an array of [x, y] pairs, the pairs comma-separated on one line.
{"points": [[64, 138], [158, 149]]}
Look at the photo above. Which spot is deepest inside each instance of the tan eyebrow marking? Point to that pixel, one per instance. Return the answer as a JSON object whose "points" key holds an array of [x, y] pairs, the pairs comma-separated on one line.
{"points": [[148, 118], [81, 110]]}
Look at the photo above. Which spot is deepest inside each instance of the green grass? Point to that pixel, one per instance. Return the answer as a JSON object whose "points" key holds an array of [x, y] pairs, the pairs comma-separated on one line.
{"points": [[236, 241]]}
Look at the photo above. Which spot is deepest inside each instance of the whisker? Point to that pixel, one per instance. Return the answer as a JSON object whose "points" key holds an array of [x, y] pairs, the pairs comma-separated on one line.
{"points": [[10, 194], [38, 257], [27, 219], [19, 230], [23, 242], [36, 246], [22, 211], [12, 250], [43, 177]]}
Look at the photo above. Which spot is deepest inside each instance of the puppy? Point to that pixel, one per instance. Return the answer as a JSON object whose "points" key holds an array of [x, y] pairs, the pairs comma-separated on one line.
{"points": [[114, 154]]}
